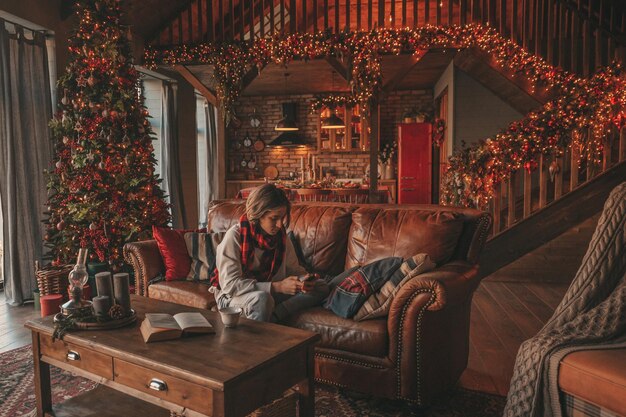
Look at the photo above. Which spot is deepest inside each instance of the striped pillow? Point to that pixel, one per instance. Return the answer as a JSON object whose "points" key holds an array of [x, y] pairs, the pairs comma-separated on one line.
{"points": [[379, 303], [201, 249]]}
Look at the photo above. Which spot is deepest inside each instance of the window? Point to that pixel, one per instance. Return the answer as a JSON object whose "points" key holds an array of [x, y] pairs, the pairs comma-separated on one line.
{"points": [[206, 120], [153, 100]]}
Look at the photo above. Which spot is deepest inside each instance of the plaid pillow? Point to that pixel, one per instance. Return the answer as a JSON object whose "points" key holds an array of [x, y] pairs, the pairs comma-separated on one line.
{"points": [[379, 303], [201, 249], [353, 287]]}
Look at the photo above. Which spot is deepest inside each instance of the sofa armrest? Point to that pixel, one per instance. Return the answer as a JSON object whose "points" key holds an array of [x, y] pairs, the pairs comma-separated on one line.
{"points": [[146, 261], [427, 319]]}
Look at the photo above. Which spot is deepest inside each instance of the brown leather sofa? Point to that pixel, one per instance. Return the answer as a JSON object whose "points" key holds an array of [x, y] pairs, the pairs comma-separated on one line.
{"points": [[421, 348], [596, 379]]}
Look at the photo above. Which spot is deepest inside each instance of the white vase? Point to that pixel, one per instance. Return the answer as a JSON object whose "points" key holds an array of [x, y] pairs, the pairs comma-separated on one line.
{"points": [[389, 171]]}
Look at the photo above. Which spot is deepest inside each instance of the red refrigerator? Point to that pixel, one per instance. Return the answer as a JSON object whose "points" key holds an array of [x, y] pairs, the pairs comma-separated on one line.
{"points": [[414, 163]]}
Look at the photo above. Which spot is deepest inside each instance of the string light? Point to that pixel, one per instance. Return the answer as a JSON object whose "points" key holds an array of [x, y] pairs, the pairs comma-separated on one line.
{"points": [[102, 188], [591, 106]]}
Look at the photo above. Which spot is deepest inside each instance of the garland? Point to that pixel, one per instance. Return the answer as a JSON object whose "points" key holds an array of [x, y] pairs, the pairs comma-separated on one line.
{"points": [[582, 118], [363, 50], [591, 106], [332, 101]]}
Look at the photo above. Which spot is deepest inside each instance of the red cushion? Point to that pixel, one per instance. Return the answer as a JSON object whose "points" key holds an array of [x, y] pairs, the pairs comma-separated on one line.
{"points": [[171, 243]]}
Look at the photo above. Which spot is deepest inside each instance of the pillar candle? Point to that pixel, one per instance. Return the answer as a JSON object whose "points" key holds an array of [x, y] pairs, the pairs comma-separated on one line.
{"points": [[122, 290], [301, 163], [101, 305], [104, 285], [313, 163]]}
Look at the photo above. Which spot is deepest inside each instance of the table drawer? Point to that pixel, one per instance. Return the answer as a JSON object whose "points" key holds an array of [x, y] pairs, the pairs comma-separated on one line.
{"points": [[77, 356], [167, 387]]}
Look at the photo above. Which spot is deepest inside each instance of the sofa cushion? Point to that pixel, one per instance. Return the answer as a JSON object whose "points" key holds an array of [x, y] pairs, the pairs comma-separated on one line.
{"points": [[350, 290], [381, 232], [379, 303], [201, 248], [171, 243], [366, 338], [596, 376], [322, 231], [193, 294]]}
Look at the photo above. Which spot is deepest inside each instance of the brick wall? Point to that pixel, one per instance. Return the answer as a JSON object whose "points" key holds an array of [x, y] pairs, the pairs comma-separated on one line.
{"points": [[346, 165]]}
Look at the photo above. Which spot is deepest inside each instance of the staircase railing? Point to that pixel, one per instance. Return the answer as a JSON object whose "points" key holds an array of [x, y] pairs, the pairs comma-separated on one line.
{"points": [[577, 35], [527, 192]]}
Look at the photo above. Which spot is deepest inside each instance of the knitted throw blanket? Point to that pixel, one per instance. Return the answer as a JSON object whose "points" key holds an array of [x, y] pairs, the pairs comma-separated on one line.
{"points": [[591, 315]]}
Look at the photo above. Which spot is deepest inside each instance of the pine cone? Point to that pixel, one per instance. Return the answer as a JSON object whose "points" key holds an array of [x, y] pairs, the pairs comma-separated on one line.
{"points": [[117, 312]]}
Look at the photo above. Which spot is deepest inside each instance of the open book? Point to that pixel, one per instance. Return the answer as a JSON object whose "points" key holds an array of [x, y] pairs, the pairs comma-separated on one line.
{"points": [[161, 326]]}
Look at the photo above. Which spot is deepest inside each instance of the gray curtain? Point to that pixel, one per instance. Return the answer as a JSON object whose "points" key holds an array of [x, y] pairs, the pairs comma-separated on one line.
{"points": [[210, 114], [25, 151], [169, 158]]}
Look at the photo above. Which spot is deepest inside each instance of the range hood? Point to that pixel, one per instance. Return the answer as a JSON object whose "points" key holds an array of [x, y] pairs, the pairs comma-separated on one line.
{"points": [[292, 137]]}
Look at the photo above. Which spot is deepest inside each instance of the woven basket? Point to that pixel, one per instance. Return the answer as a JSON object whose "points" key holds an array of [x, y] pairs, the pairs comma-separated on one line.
{"points": [[53, 279], [285, 406]]}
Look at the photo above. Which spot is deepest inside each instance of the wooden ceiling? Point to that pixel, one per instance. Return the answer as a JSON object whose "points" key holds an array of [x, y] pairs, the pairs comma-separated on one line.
{"points": [[319, 76]]}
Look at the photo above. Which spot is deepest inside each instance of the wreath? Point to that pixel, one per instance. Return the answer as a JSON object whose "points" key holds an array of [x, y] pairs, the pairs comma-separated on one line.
{"points": [[439, 128]]}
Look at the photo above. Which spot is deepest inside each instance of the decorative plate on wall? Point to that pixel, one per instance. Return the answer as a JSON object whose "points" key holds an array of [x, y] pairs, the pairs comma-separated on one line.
{"points": [[247, 141], [259, 144], [271, 172]]}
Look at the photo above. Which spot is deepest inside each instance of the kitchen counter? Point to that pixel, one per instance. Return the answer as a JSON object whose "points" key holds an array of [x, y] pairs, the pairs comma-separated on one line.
{"points": [[233, 186]]}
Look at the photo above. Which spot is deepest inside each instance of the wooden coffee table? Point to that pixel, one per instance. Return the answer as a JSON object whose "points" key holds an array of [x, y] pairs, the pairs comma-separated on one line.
{"points": [[230, 373]]}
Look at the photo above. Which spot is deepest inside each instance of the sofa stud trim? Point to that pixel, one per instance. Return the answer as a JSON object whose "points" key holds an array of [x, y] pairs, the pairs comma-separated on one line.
{"points": [[417, 346], [350, 361]]}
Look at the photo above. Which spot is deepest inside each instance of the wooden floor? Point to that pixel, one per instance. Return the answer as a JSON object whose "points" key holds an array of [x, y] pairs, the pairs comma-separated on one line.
{"points": [[503, 315]]}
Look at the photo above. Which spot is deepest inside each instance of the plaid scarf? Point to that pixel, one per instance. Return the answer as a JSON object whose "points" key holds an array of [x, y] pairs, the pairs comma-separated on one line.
{"points": [[252, 237]]}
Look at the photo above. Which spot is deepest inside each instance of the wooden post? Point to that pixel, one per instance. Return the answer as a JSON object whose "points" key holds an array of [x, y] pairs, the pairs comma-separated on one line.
{"points": [[528, 189], [374, 141], [606, 152], [543, 182], [622, 144], [512, 196], [573, 179], [251, 15], [210, 24], [497, 208], [558, 178], [221, 150], [463, 12], [293, 16]]}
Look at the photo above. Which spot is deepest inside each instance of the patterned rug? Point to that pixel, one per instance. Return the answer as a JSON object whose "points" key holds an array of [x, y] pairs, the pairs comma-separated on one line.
{"points": [[17, 395]]}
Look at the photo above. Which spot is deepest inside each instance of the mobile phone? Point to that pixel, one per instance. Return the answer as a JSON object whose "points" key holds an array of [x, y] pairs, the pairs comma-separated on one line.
{"points": [[306, 277]]}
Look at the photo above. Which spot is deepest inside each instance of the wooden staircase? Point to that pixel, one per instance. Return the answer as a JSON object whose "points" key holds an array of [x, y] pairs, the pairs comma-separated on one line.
{"points": [[573, 207]]}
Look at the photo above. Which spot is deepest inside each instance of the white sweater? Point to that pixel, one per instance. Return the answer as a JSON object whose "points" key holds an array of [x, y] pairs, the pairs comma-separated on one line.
{"points": [[228, 262]]}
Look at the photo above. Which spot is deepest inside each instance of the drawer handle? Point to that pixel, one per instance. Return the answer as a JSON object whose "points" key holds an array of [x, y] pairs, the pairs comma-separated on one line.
{"points": [[158, 385], [408, 189], [73, 355], [408, 178]]}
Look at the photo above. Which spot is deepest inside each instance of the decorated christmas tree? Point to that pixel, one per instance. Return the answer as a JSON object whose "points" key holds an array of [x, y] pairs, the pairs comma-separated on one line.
{"points": [[102, 188]]}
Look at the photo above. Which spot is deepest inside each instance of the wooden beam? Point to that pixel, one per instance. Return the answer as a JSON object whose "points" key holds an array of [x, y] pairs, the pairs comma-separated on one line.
{"points": [[250, 76], [338, 66], [197, 84], [391, 85]]}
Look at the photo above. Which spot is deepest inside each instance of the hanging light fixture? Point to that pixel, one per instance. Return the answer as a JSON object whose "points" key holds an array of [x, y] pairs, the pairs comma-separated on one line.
{"points": [[334, 121], [287, 123]]}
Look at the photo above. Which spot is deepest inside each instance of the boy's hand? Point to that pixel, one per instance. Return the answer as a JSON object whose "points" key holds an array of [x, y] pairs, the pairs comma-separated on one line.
{"points": [[290, 285]]}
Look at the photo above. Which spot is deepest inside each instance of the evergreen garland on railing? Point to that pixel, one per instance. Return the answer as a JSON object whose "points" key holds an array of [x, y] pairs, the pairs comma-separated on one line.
{"points": [[592, 105]]}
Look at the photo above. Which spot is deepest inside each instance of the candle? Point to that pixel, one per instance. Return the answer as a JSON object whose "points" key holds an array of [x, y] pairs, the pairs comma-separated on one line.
{"points": [[313, 163], [101, 305], [104, 285], [302, 163], [121, 289]]}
